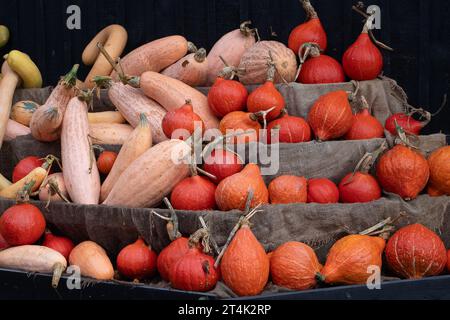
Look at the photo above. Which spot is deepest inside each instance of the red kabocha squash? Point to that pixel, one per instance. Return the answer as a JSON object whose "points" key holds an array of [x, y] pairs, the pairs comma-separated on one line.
{"points": [[403, 171], [25, 166], [226, 96], [288, 189], [239, 122], [170, 255], [290, 129], [310, 31], [137, 261], [267, 97], [22, 224], [232, 193], [194, 194], [365, 126], [415, 251], [295, 266], [194, 271], [182, 123], [322, 191], [255, 66], [61, 244], [331, 117], [245, 264], [439, 163], [106, 162], [407, 123], [433, 192], [363, 60], [319, 68], [359, 187], [222, 164], [349, 260]]}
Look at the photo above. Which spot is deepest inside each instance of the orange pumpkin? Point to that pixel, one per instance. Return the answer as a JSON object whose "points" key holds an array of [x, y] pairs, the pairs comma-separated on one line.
{"points": [[349, 259], [433, 192], [439, 163], [403, 171], [295, 266], [245, 264], [288, 189], [240, 122], [232, 192], [415, 251]]}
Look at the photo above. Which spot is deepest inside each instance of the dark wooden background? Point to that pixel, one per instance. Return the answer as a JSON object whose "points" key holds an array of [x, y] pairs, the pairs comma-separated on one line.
{"points": [[419, 30]]}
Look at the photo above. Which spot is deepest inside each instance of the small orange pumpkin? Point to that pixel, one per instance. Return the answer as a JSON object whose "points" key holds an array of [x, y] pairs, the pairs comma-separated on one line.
{"points": [[439, 163], [245, 264], [232, 192], [288, 189], [295, 266], [349, 259], [403, 171], [240, 122]]}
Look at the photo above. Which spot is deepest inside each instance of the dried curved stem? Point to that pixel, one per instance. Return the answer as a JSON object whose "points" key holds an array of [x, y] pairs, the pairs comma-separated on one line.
{"points": [[310, 11]]}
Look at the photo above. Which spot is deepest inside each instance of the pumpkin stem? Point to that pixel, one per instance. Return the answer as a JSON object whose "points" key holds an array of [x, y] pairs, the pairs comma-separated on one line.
{"points": [[55, 190], [248, 32], [219, 140], [58, 269], [272, 69], [23, 196], [103, 82], [174, 224], [379, 228], [310, 11], [200, 55], [211, 239], [192, 48], [70, 79], [209, 175], [308, 49], [367, 161], [368, 26], [401, 134]]}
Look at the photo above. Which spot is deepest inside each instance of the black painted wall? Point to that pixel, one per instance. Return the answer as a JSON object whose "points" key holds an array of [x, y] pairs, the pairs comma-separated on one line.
{"points": [[419, 30]]}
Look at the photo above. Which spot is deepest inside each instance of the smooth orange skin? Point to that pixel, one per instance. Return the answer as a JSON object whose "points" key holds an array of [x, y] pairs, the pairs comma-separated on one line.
{"points": [[365, 127], [415, 251], [245, 264], [310, 31], [232, 193], [331, 117], [265, 98], [439, 163], [294, 265], [239, 122], [320, 70], [349, 259], [170, 255], [403, 171], [106, 161], [183, 118], [137, 261], [288, 189], [433, 192]]}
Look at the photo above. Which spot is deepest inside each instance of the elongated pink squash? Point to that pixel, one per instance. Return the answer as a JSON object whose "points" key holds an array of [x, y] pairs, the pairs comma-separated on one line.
{"points": [[151, 177], [154, 56], [80, 168], [172, 94], [136, 144], [192, 69], [15, 129], [131, 102]]}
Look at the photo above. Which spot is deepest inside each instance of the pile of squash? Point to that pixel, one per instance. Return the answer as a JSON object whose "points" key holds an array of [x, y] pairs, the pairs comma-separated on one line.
{"points": [[160, 123]]}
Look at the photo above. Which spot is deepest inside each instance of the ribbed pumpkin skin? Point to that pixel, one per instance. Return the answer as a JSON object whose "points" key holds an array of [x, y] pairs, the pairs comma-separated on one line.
{"points": [[232, 192], [415, 252], [194, 272], [288, 189], [359, 188], [294, 265], [350, 257], [310, 31], [170, 255], [331, 117], [403, 171], [255, 59], [363, 60], [231, 47], [365, 127], [320, 70], [240, 121], [245, 264], [439, 163], [291, 130]]}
